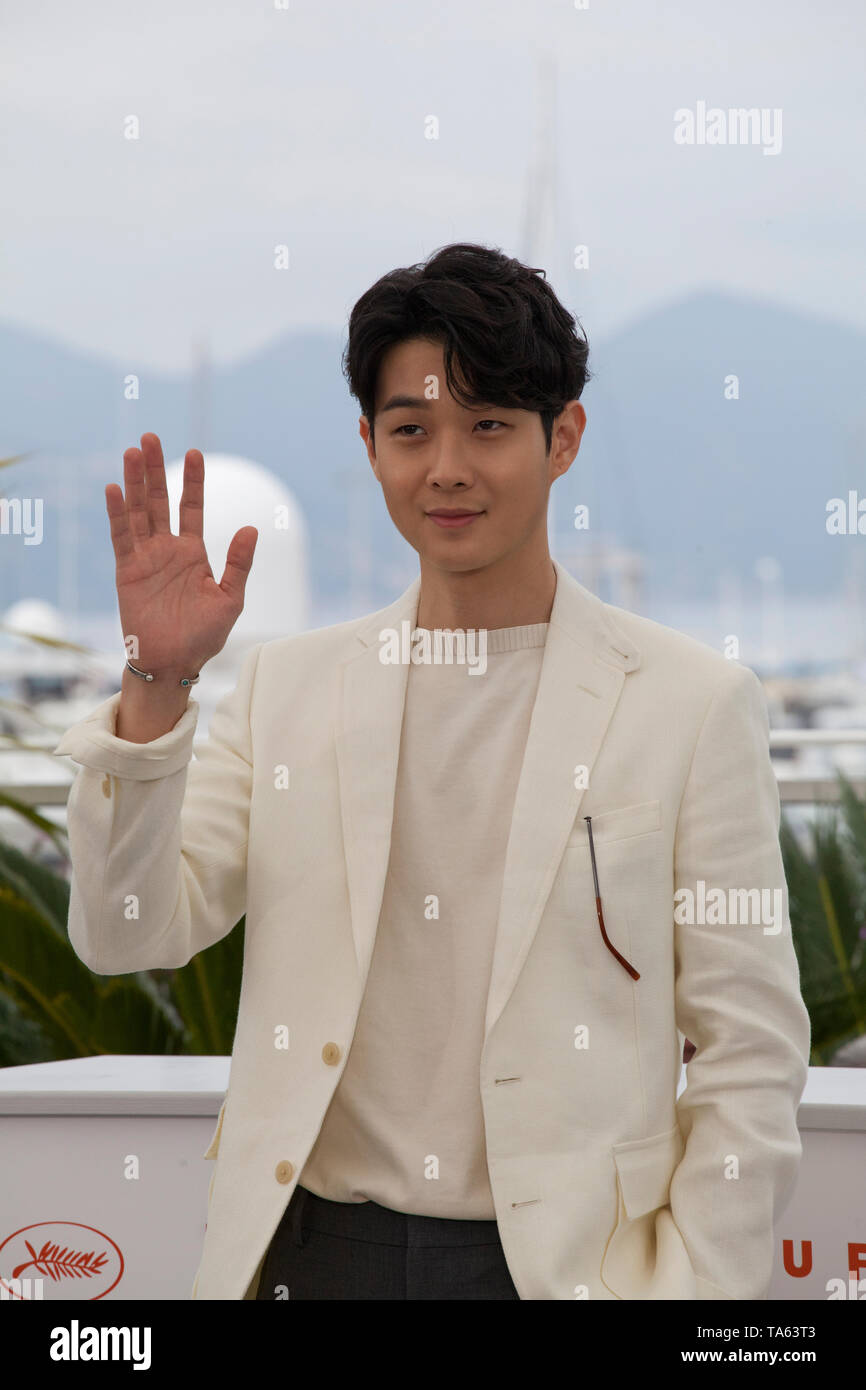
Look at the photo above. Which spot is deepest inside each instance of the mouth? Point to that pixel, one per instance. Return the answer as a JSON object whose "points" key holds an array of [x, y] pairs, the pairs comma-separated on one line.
{"points": [[444, 516]]}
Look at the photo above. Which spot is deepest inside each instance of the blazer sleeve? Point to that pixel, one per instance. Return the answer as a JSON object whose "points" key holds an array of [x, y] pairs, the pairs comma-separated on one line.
{"points": [[738, 1000], [157, 836]]}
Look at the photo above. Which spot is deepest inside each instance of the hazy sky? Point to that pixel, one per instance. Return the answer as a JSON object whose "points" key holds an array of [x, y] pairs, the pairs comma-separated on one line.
{"points": [[305, 126]]}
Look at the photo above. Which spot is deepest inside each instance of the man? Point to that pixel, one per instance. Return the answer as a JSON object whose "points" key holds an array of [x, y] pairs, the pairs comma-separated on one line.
{"points": [[476, 891]]}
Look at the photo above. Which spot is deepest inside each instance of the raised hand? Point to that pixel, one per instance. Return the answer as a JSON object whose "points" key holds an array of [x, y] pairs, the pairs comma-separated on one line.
{"points": [[166, 592]]}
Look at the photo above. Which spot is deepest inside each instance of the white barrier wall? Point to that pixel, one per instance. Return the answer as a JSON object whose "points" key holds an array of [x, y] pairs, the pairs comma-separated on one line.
{"points": [[103, 1188]]}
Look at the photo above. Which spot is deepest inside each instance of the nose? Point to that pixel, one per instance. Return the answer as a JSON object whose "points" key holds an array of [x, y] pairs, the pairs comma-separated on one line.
{"points": [[448, 466]]}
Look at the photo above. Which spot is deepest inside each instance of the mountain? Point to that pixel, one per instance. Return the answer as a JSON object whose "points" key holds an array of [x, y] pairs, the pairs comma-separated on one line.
{"points": [[703, 484], [699, 484]]}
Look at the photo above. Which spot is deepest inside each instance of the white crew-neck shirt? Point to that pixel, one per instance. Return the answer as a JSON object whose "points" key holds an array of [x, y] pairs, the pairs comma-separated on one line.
{"points": [[405, 1127]]}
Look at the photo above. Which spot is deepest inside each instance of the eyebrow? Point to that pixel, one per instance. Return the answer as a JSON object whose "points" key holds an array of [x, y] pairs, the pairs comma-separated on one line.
{"points": [[400, 402]]}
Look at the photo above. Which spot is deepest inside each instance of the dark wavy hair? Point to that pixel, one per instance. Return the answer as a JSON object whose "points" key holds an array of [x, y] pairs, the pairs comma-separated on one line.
{"points": [[514, 342]]}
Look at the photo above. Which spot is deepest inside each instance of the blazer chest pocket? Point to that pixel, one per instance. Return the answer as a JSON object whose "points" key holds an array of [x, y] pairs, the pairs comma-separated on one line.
{"points": [[616, 825]]}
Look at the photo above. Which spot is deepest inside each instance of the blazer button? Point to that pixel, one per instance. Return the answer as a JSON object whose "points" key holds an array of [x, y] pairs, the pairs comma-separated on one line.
{"points": [[331, 1054], [284, 1171]]}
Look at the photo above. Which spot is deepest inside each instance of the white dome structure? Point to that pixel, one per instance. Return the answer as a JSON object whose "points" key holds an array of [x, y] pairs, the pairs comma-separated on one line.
{"points": [[34, 615], [238, 492], [19, 656]]}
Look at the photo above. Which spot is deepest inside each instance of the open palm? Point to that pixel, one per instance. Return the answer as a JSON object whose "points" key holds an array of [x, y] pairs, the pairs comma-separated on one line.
{"points": [[168, 599]]}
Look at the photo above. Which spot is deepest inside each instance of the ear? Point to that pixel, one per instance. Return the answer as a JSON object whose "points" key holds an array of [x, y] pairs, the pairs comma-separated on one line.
{"points": [[364, 431], [567, 433]]}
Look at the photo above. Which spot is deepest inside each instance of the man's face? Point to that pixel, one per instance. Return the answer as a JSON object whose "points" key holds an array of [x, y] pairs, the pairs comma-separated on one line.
{"points": [[438, 455]]}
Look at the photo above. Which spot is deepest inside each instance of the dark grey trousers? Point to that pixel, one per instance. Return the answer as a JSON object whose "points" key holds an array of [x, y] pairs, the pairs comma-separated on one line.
{"points": [[359, 1250]]}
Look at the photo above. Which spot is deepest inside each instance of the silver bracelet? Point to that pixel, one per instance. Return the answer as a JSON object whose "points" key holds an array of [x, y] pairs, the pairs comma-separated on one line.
{"points": [[146, 676]]}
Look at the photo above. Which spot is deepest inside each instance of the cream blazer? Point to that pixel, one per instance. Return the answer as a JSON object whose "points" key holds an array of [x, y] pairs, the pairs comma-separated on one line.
{"points": [[605, 1185]]}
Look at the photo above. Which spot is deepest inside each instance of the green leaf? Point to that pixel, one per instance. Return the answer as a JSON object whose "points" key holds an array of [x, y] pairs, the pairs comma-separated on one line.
{"points": [[207, 994]]}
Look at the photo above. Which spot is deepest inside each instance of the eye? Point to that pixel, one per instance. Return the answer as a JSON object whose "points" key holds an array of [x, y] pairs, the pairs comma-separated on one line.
{"points": [[400, 428]]}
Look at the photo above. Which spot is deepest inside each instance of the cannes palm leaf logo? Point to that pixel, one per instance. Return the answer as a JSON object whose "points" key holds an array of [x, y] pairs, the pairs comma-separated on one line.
{"points": [[62, 1264]]}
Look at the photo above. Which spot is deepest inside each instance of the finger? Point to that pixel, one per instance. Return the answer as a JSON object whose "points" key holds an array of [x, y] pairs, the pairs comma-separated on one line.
{"points": [[136, 494], [192, 498], [121, 536], [156, 492], [238, 562]]}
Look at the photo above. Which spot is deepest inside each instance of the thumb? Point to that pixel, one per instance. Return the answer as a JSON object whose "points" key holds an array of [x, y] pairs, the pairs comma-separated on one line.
{"points": [[238, 562]]}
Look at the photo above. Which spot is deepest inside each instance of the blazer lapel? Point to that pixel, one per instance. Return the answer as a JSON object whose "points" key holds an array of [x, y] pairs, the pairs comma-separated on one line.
{"points": [[585, 662], [369, 724], [586, 659]]}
